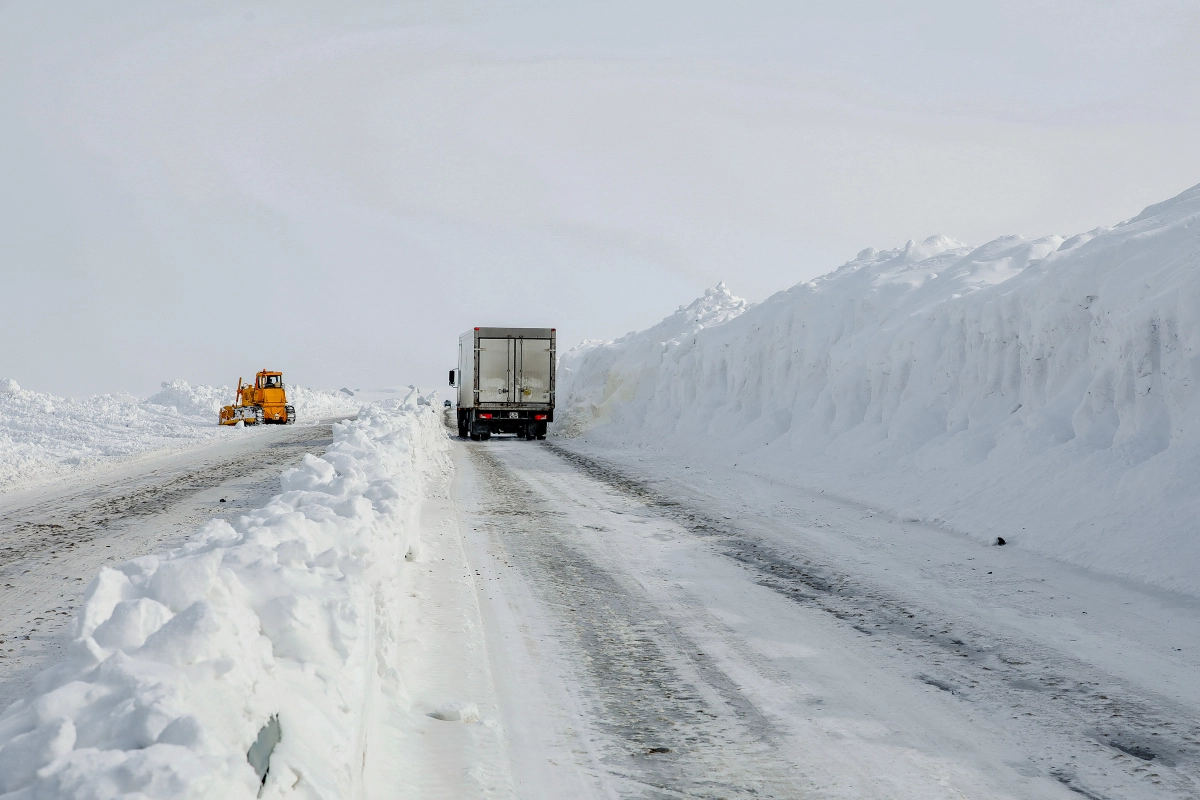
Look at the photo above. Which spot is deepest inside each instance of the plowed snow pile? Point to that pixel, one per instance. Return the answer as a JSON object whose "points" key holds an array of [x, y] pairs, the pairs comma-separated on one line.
{"points": [[42, 436], [180, 662], [1043, 390]]}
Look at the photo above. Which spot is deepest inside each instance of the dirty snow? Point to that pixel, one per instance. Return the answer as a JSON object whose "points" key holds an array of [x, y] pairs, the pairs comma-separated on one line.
{"points": [[179, 661], [1040, 390]]}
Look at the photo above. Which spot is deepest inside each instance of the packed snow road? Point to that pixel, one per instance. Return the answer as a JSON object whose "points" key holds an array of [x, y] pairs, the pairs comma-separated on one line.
{"points": [[659, 631], [54, 540]]}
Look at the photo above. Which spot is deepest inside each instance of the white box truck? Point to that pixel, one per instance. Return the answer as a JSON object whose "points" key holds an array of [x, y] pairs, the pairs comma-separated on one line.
{"points": [[505, 382]]}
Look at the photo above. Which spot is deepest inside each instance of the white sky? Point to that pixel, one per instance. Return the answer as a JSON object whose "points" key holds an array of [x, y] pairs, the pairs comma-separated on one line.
{"points": [[201, 189]]}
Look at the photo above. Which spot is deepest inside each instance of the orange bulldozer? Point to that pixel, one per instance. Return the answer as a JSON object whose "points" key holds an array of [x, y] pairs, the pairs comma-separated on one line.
{"points": [[263, 403]]}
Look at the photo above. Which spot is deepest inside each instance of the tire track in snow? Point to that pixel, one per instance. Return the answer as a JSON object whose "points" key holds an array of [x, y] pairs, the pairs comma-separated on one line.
{"points": [[1110, 736], [675, 724]]}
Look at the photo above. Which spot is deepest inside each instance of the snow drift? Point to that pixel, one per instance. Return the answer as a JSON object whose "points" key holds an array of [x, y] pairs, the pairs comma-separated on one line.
{"points": [[42, 436], [1043, 390], [206, 401], [179, 661]]}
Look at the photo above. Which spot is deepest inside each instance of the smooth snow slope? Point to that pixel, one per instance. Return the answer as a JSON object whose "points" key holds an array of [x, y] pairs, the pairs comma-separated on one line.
{"points": [[1041, 390]]}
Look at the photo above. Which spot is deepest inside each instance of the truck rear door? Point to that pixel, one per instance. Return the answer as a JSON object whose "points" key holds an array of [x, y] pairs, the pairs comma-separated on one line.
{"points": [[533, 370], [496, 379], [514, 370]]}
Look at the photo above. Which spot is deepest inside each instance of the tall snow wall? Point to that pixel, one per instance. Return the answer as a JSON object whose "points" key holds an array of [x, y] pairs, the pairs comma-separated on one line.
{"points": [[1043, 390], [286, 621]]}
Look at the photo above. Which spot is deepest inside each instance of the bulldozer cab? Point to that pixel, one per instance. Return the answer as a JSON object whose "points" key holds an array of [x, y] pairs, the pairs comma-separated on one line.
{"points": [[269, 380]]}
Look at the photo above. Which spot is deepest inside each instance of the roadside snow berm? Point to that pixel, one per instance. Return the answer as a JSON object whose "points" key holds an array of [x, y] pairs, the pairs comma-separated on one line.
{"points": [[249, 661], [263, 403]]}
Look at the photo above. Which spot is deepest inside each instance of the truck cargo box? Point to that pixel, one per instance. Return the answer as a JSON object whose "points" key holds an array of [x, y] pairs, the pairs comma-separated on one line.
{"points": [[505, 381]]}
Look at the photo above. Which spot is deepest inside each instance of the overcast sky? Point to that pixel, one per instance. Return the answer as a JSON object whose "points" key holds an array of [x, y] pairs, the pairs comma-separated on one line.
{"points": [[201, 189]]}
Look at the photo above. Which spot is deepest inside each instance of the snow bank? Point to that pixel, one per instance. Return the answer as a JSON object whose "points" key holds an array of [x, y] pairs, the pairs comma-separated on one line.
{"points": [[317, 403], [178, 662], [192, 401], [1043, 390], [43, 436], [597, 378], [206, 401]]}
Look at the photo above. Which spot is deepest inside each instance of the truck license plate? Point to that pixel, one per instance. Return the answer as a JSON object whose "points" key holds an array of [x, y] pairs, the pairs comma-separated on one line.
{"points": [[513, 415]]}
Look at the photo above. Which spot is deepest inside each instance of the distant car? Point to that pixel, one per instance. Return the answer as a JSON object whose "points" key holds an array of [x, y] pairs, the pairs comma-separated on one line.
{"points": [[446, 404]]}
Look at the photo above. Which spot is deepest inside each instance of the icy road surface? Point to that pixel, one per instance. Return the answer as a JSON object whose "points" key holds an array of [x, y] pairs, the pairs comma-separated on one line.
{"points": [[54, 540], [661, 632]]}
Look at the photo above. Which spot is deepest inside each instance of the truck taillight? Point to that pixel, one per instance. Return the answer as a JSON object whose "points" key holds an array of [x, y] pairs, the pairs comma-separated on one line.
{"points": [[539, 416], [485, 416]]}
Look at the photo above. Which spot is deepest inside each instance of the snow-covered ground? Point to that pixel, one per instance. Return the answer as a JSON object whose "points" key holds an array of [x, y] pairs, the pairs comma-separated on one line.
{"points": [[43, 437], [754, 560], [575, 625], [55, 538], [659, 628], [1046, 391], [286, 620]]}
